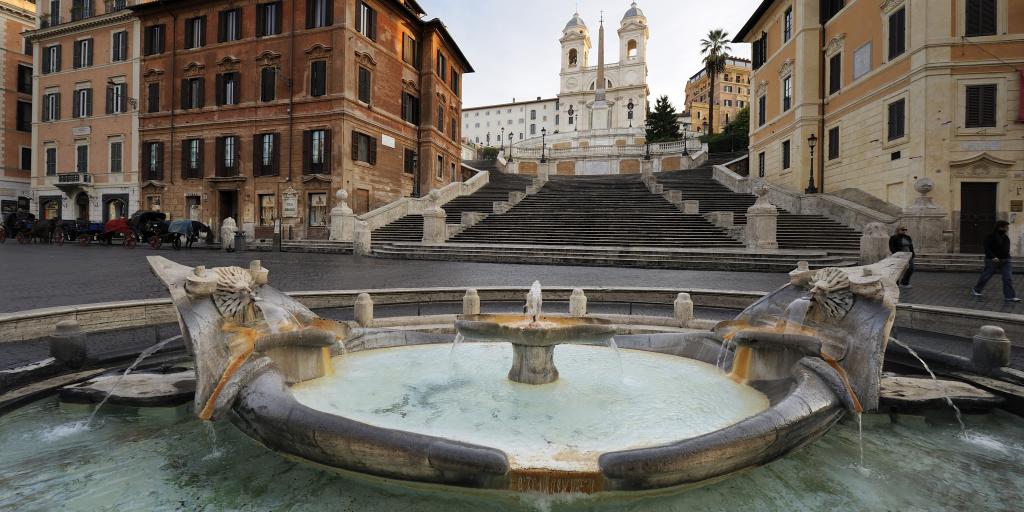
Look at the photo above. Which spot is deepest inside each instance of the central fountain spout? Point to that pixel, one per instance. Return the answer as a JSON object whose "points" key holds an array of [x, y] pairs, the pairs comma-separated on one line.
{"points": [[534, 337]]}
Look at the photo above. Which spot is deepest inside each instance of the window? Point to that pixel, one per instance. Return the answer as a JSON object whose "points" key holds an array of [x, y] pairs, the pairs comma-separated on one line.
{"points": [[835, 66], [268, 210], [267, 153], [192, 158], [830, 8], [980, 18], [318, 13], [153, 161], [366, 20], [364, 85], [268, 19], [192, 92], [442, 66], [51, 106], [81, 103], [452, 130], [317, 209], [27, 47], [411, 109], [268, 84], [533, 129], [195, 32], [119, 46], [454, 175], [760, 164], [762, 102], [82, 158], [897, 33], [410, 161], [533, 115], [364, 148], [117, 96], [410, 51], [787, 25], [573, 58], [23, 120], [980, 106], [727, 103], [24, 79], [318, 78], [787, 93], [227, 156], [833, 143], [153, 98], [229, 25], [759, 51], [116, 151], [439, 168], [51, 59], [440, 118], [154, 40], [896, 125], [228, 88], [51, 161], [631, 49], [80, 9], [82, 53], [785, 154], [455, 81], [727, 88], [317, 151], [26, 159]]}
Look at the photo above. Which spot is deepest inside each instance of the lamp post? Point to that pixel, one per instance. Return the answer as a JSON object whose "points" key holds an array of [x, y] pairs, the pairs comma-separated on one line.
{"points": [[811, 189], [501, 139], [686, 151], [544, 134], [511, 135], [629, 113], [647, 150]]}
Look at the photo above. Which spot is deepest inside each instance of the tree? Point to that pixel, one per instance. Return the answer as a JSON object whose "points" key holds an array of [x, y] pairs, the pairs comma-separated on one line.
{"points": [[715, 49], [662, 125], [734, 137]]}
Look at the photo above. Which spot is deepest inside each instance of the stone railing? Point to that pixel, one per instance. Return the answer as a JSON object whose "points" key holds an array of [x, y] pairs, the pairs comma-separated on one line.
{"points": [[393, 211], [694, 146]]}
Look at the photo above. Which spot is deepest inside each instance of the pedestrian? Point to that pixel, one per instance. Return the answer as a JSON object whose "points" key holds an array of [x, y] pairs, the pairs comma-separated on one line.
{"points": [[997, 259], [901, 242]]}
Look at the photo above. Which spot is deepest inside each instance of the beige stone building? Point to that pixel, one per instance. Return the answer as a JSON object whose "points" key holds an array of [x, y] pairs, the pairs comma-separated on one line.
{"points": [[16, 17], [85, 110], [732, 94], [894, 91]]}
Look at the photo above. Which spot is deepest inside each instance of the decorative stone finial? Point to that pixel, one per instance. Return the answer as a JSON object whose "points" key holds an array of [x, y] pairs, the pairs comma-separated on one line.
{"points": [[341, 194], [924, 185]]}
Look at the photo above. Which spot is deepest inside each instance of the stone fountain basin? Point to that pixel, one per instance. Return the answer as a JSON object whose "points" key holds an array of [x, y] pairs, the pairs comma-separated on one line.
{"points": [[802, 408], [548, 332]]}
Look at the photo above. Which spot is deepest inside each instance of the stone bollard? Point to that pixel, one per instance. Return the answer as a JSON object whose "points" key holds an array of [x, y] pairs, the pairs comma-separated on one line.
{"points": [[683, 307], [691, 207], [471, 303], [435, 226], [364, 310], [68, 344], [674, 196], [762, 221], [362, 240], [342, 219], [990, 350], [578, 303], [874, 244]]}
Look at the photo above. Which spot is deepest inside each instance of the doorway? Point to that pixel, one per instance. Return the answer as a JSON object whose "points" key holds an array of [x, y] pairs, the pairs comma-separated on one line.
{"points": [[228, 206], [361, 201], [977, 215], [82, 207]]}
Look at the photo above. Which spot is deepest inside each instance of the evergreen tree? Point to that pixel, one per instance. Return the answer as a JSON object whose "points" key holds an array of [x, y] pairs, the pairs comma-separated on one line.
{"points": [[662, 125]]}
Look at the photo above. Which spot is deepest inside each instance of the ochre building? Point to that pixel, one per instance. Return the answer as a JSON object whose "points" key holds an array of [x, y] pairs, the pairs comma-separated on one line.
{"points": [[732, 94], [893, 91], [16, 17], [262, 110]]}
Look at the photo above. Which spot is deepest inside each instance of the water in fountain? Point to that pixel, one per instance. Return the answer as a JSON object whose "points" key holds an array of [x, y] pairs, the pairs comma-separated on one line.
{"points": [[956, 410], [145, 353], [796, 314], [211, 433], [534, 300], [618, 356], [459, 338], [278, 319]]}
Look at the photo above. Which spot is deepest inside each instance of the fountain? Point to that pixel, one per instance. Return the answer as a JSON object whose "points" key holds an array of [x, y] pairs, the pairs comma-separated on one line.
{"points": [[804, 355]]}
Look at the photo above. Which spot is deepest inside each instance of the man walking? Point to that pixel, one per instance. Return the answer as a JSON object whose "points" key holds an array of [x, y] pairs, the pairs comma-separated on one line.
{"points": [[997, 259], [901, 242]]}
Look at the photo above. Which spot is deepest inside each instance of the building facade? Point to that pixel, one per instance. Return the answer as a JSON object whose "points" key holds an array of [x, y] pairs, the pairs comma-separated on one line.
{"points": [[496, 125], [16, 17], [892, 92], [732, 94], [262, 110], [85, 111]]}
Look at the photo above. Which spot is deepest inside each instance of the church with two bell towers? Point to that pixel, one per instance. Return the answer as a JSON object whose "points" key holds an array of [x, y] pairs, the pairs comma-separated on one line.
{"points": [[600, 95]]}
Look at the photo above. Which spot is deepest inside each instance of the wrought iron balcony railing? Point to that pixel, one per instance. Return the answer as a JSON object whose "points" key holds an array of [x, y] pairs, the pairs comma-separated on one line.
{"points": [[74, 178]]}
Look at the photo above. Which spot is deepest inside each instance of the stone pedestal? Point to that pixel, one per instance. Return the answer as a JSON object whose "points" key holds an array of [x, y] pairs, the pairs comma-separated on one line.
{"points": [[578, 303], [874, 244], [471, 303], [990, 349], [692, 207], [343, 221], [435, 228], [762, 221], [364, 310], [926, 221], [68, 344], [533, 365], [362, 239], [683, 308]]}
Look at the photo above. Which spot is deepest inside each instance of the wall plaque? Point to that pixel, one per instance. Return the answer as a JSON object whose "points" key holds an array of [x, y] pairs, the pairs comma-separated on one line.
{"points": [[1017, 205], [290, 203]]}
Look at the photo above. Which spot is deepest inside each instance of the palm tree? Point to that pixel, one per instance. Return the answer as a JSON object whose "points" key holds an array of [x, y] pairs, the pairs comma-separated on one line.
{"points": [[715, 49]]}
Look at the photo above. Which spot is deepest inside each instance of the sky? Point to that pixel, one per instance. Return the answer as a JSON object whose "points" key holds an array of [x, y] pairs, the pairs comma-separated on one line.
{"points": [[513, 44]]}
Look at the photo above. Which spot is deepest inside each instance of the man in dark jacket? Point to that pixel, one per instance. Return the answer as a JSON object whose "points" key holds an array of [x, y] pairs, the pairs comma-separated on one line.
{"points": [[901, 242], [997, 259]]}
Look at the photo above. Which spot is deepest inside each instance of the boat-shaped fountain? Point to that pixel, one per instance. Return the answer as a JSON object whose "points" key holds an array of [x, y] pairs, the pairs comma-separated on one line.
{"points": [[792, 364]]}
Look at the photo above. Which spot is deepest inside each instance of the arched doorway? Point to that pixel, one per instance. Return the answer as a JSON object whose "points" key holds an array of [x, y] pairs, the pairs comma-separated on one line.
{"points": [[82, 206]]}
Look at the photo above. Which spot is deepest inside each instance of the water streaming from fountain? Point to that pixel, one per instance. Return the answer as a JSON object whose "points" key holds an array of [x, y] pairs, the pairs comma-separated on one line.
{"points": [[145, 353], [796, 314], [278, 319], [618, 356], [534, 300], [956, 410]]}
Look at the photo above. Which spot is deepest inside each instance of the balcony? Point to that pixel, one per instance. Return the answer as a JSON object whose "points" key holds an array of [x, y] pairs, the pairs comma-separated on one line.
{"points": [[69, 181]]}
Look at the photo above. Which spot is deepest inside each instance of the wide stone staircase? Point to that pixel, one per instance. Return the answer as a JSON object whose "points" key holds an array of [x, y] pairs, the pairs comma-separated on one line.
{"points": [[410, 227], [793, 231]]}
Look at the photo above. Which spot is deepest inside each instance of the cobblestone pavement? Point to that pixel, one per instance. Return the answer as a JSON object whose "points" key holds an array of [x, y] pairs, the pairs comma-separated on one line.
{"points": [[37, 276]]}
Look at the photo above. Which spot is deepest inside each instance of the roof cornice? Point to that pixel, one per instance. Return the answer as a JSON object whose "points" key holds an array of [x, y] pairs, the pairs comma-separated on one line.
{"points": [[21, 13], [77, 26]]}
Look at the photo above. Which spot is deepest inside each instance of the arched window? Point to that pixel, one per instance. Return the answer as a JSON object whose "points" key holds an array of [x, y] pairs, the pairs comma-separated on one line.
{"points": [[631, 49], [607, 84], [573, 57]]}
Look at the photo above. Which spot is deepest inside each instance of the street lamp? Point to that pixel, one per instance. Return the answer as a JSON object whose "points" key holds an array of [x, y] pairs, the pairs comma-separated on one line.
{"points": [[502, 139], [686, 151], [511, 136], [647, 150], [629, 114], [543, 136], [811, 189]]}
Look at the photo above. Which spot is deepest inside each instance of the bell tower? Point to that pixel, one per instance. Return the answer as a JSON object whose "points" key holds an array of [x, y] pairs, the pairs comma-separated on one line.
{"points": [[633, 34], [575, 45]]}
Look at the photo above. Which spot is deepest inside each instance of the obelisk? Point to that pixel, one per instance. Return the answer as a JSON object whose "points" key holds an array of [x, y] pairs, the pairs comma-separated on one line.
{"points": [[599, 111]]}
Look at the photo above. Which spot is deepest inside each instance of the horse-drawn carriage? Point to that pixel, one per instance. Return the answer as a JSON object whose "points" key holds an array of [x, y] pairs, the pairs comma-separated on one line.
{"points": [[154, 228], [24, 227]]}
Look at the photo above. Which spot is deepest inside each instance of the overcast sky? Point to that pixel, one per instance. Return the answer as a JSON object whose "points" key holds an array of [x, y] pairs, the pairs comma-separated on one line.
{"points": [[513, 44]]}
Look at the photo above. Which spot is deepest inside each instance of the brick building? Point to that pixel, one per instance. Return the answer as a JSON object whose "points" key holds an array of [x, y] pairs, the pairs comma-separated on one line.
{"points": [[262, 110], [16, 17]]}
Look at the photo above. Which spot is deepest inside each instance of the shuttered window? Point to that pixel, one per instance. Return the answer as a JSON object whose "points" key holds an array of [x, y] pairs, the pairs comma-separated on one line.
{"points": [[192, 158], [833, 143], [760, 51], [829, 8], [117, 96], [410, 108], [119, 46], [410, 51], [366, 20], [785, 154], [154, 40], [192, 93], [410, 161], [81, 103], [228, 88], [365, 86], [51, 59], [268, 84], [835, 73], [153, 98], [364, 148], [980, 105], [762, 102], [268, 19], [266, 154], [897, 120], [229, 25], [82, 53], [195, 32], [316, 151], [23, 121], [227, 156], [980, 18], [153, 161], [897, 33], [319, 13], [318, 78]]}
